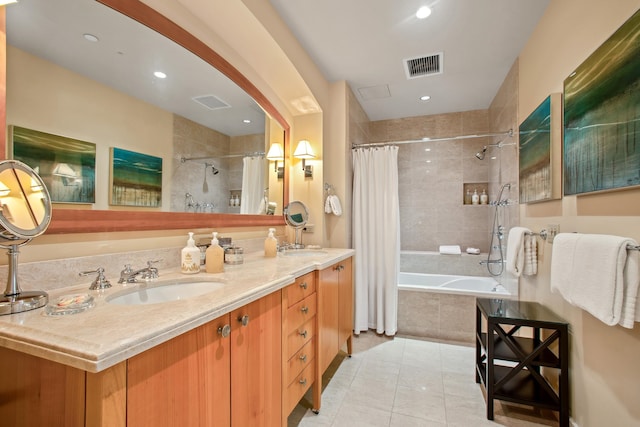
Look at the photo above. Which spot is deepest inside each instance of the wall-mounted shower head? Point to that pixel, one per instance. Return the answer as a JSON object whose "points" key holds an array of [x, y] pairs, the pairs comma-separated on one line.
{"points": [[214, 170], [480, 154]]}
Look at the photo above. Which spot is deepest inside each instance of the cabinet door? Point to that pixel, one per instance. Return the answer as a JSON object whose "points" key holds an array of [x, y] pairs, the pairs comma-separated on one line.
{"points": [[183, 382], [345, 302], [328, 297], [256, 363], [37, 392]]}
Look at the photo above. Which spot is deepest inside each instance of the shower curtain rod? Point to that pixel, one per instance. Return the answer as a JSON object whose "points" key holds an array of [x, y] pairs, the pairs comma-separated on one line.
{"points": [[508, 133], [227, 156]]}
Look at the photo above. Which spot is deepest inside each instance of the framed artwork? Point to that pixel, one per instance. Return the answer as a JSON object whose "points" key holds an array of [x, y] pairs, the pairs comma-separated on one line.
{"points": [[66, 165], [539, 162], [136, 179], [601, 116]]}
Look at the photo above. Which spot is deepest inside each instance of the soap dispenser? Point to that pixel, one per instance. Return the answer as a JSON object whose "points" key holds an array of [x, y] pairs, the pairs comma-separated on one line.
{"points": [[271, 244], [214, 262], [190, 257], [475, 198], [484, 198]]}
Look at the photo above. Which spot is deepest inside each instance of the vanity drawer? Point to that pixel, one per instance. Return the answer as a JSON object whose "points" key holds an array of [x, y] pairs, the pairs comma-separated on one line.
{"points": [[301, 312], [302, 288], [298, 336], [300, 360], [298, 387]]}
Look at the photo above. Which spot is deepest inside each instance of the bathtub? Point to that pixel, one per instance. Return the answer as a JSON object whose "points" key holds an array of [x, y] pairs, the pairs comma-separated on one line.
{"points": [[484, 287], [442, 307]]}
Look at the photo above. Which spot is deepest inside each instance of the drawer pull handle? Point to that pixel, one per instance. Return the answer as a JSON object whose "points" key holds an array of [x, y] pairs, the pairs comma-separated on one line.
{"points": [[304, 285], [244, 320], [303, 333], [225, 331], [305, 310], [338, 267], [303, 381], [303, 357]]}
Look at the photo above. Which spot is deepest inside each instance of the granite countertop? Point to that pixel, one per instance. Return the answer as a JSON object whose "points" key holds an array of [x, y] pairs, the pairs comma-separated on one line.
{"points": [[108, 334]]}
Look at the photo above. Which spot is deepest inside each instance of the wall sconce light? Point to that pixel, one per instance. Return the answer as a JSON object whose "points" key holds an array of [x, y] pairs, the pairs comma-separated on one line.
{"points": [[304, 152], [276, 153]]}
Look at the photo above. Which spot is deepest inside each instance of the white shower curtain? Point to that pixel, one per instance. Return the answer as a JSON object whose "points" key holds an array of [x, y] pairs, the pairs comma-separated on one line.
{"points": [[252, 201], [376, 238]]}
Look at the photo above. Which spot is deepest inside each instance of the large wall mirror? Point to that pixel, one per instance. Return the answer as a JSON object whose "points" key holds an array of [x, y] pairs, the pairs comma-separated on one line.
{"points": [[84, 70]]}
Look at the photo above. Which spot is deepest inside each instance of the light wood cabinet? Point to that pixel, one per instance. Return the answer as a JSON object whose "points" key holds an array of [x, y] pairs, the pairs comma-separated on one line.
{"points": [[299, 349], [36, 392], [256, 363], [335, 313], [185, 381], [213, 376]]}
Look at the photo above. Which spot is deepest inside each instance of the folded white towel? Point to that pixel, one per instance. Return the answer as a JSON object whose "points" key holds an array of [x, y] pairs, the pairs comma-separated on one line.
{"points": [[327, 205], [596, 273], [336, 208], [473, 251], [530, 255], [515, 250], [450, 250]]}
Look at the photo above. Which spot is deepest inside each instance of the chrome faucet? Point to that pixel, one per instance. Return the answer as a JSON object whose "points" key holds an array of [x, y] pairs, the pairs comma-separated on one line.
{"points": [[128, 275]]}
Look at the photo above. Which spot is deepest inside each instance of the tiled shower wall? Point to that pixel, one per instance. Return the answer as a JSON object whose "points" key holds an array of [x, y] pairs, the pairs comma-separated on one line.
{"points": [[193, 140], [432, 176]]}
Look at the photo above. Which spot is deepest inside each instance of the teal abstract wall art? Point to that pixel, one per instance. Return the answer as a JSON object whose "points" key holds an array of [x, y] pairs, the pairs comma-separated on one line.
{"points": [[136, 179], [66, 165], [602, 116], [535, 154]]}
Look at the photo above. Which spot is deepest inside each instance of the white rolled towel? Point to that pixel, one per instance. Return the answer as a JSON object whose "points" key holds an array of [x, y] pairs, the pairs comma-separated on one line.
{"points": [[450, 250]]}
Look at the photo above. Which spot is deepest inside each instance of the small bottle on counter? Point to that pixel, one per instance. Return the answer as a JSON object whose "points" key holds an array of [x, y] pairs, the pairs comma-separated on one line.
{"points": [[484, 198], [190, 257], [271, 244], [475, 198], [215, 256]]}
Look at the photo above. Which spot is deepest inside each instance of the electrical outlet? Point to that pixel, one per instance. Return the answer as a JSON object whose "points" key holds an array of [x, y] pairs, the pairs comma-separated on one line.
{"points": [[552, 231], [308, 228]]}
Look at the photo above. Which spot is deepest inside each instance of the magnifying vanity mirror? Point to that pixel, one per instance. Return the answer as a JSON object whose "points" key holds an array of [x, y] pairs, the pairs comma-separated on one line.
{"points": [[296, 216], [99, 57], [25, 213]]}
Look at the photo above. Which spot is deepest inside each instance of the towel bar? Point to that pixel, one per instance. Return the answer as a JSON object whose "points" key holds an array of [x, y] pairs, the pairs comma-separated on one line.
{"points": [[633, 247], [542, 234]]}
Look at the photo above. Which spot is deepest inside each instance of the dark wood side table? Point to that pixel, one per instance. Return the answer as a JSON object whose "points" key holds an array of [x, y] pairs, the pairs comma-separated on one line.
{"points": [[509, 366]]}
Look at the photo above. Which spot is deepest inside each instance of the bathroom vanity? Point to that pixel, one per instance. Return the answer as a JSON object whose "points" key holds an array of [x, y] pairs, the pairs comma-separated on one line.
{"points": [[242, 354]]}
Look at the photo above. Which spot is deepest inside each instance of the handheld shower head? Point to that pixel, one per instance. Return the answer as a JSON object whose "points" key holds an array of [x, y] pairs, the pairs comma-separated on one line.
{"points": [[480, 154]]}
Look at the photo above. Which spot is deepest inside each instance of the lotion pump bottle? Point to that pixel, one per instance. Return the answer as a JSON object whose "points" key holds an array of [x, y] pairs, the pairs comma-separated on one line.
{"points": [[484, 198], [214, 262], [190, 257], [475, 198], [271, 244]]}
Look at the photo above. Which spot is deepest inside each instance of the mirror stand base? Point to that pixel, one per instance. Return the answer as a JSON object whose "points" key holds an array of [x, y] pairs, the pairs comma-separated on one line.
{"points": [[24, 301]]}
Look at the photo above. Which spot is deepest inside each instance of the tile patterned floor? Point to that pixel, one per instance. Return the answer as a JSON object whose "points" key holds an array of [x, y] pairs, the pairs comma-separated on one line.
{"points": [[404, 382]]}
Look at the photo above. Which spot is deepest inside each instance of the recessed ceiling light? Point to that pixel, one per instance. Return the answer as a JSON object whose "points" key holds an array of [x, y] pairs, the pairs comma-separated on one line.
{"points": [[423, 12], [427, 149], [425, 98], [246, 121], [90, 37], [160, 74]]}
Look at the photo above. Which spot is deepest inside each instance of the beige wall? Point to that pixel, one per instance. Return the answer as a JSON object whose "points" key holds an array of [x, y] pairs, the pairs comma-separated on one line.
{"points": [[605, 374], [48, 98]]}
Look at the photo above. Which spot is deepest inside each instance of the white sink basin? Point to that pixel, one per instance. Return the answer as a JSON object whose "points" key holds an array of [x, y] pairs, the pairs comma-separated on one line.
{"points": [[159, 293], [304, 252]]}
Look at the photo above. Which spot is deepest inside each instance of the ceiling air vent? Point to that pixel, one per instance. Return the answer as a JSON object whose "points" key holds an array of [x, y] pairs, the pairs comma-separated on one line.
{"points": [[423, 66], [212, 102]]}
